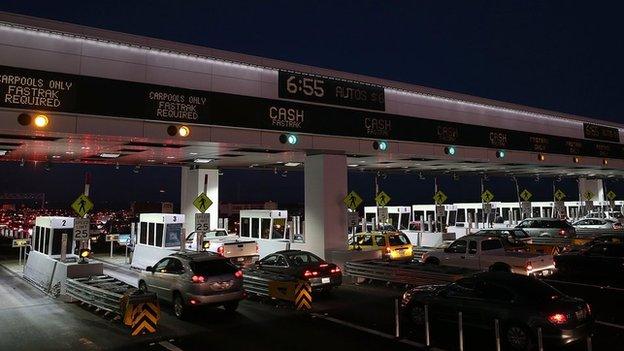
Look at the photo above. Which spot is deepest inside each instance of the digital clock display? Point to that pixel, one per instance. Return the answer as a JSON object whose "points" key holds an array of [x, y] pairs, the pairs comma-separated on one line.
{"points": [[594, 131], [307, 87]]}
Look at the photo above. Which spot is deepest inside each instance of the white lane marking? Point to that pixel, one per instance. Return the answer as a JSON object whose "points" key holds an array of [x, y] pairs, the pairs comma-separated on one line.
{"points": [[169, 346], [583, 284], [610, 324], [367, 330]]}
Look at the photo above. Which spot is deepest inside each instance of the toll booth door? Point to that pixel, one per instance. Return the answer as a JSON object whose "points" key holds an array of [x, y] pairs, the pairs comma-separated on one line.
{"points": [[57, 239]]}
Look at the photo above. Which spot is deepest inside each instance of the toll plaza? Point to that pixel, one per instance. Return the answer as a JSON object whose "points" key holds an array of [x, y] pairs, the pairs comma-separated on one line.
{"points": [[78, 95]]}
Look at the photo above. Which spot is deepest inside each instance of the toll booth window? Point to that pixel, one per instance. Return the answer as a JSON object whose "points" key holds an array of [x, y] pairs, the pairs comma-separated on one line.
{"points": [[461, 215], [245, 227], [35, 239], [279, 228], [452, 218], [370, 218], [159, 234], [506, 214], [255, 227], [46, 240], [418, 214], [471, 214], [150, 233], [393, 218], [172, 234], [265, 228], [143, 233], [57, 238]]}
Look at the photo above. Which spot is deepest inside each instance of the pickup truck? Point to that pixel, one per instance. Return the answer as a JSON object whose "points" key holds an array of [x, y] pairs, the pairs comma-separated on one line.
{"points": [[485, 253], [240, 252]]}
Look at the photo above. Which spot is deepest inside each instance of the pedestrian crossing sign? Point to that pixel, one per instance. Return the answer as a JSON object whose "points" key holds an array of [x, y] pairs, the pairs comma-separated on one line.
{"points": [[352, 200], [202, 202], [82, 205], [382, 199]]}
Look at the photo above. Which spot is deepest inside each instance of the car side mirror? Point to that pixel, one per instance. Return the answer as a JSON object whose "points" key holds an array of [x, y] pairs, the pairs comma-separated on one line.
{"points": [[149, 269]]}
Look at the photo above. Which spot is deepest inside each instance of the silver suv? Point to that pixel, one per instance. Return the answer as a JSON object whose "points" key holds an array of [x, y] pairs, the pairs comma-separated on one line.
{"points": [[191, 279], [547, 227]]}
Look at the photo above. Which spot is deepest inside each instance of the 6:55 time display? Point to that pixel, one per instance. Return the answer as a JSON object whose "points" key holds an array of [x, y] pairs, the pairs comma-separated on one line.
{"points": [[306, 85]]}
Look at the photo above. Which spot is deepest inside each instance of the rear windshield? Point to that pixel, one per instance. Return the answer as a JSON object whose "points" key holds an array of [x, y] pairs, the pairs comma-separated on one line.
{"points": [[212, 267], [534, 290], [553, 224], [303, 258], [399, 239]]}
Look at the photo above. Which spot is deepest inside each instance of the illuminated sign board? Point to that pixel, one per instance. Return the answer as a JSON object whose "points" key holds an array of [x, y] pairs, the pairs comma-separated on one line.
{"points": [[594, 131], [33, 90], [308, 87]]}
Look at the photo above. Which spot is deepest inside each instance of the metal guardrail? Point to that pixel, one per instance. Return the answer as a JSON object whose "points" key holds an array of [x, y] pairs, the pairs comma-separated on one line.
{"points": [[257, 282], [411, 273], [101, 291]]}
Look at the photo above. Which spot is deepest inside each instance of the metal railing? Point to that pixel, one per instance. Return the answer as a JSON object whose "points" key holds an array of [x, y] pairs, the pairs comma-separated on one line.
{"points": [[411, 274], [100, 291], [257, 282]]}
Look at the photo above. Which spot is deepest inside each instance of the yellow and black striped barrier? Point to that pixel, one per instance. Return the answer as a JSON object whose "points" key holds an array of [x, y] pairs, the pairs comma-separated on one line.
{"points": [[141, 312], [299, 292], [303, 296]]}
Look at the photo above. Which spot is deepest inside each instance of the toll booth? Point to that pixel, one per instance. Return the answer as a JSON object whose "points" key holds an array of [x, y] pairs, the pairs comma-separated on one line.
{"points": [[159, 235], [48, 234], [45, 266], [268, 228], [398, 216]]}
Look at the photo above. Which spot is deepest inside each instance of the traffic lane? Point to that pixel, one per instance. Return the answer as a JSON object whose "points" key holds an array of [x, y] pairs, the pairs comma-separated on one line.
{"points": [[31, 320]]}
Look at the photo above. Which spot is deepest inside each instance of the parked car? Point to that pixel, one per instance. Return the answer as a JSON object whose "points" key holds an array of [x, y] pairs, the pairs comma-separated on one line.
{"points": [[600, 260], [193, 279], [394, 246], [614, 215], [488, 253], [521, 304], [303, 265], [547, 227], [601, 239], [241, 252], [597, 223], [513, 238]]}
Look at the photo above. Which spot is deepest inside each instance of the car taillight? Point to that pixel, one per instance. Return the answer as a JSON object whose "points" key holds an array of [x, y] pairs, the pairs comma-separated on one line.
{"points": [[198, 279], [221, 250], [238, 274], [323, 265], [562, 232], [309, 274], [336, 270], [388, 250], [558, 318], [529, 266]]}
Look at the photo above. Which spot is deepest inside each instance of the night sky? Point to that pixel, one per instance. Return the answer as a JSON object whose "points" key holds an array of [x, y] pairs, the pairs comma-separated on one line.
{"points": [[558, 55]]}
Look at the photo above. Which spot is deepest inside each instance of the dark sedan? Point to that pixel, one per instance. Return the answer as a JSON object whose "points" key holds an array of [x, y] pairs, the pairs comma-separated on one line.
{"points": [[601, 260], [522, 304], [303, 265]]}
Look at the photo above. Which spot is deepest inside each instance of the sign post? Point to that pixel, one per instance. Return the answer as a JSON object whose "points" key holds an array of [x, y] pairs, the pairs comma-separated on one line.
{"points": [[81, 229], [112, 238], [21, 243]]}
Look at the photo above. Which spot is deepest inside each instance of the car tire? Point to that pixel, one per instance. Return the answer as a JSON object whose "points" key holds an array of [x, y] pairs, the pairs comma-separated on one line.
{"points": [[231, 306], [432, 261], [416, 314], [518, 338], [179, 307], [142, 286], [500, 267]]}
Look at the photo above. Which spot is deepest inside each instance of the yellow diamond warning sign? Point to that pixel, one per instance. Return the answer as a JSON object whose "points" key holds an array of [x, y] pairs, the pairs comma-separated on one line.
{"points": [[487, 196], [82, 205], [439, 197], [611, 195], [559, 195], [526, 195], [202, 202], [353, 200], [382, 199]]}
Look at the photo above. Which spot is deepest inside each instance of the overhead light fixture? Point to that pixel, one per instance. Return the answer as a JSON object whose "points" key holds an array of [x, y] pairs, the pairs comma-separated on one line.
{"points": [[202, 160], [184, 131], [56, 156], [109, 155], [3, 152], [450, 150], [170, 157], [69, 152], [292, 164], [380, 145], [151, 160], [352, 165], [291, 139]]}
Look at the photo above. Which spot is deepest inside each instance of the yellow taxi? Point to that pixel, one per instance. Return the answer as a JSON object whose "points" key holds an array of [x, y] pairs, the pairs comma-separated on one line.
{"points": [[394, 246]]}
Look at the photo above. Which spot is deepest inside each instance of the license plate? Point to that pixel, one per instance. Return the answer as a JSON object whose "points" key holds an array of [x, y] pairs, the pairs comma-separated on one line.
{"points": [[325, 280]]}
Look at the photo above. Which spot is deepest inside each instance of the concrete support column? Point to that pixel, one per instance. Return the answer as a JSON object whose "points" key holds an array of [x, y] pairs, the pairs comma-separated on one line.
{"points": [[325, 214], [591, 185], [193, 185]]}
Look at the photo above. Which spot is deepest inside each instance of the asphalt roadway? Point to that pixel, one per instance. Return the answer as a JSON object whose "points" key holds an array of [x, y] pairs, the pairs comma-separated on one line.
{"points": [[353, 317]]}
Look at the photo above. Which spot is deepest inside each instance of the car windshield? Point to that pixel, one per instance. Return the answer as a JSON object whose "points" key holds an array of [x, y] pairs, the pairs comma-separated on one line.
{"points": [[212, 267], [302, 258], [399, 239], [554, 224]]}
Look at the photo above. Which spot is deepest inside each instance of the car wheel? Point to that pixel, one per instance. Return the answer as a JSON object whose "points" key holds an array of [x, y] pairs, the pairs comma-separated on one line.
{"points": [[416, 314], [231, 306], [518, 338], [142, 286], [179, 308], [432, 261]]}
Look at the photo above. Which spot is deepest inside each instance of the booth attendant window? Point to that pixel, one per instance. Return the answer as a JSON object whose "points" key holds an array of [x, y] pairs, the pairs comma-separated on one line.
{"points": [[279, 228], [46, 240], [245, 227], [255, 227], [461, 215], [265, 228], [150, 233], [143, 233], [159, 234], [452, 217]]}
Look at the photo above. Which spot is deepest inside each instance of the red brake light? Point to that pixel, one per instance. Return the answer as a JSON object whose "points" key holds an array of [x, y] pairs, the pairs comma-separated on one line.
{"points": [[558, 318], [529, 266], [323, 265], [336, 270], [198, 279], [238, 274], [221, 250], [309, 273]]}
